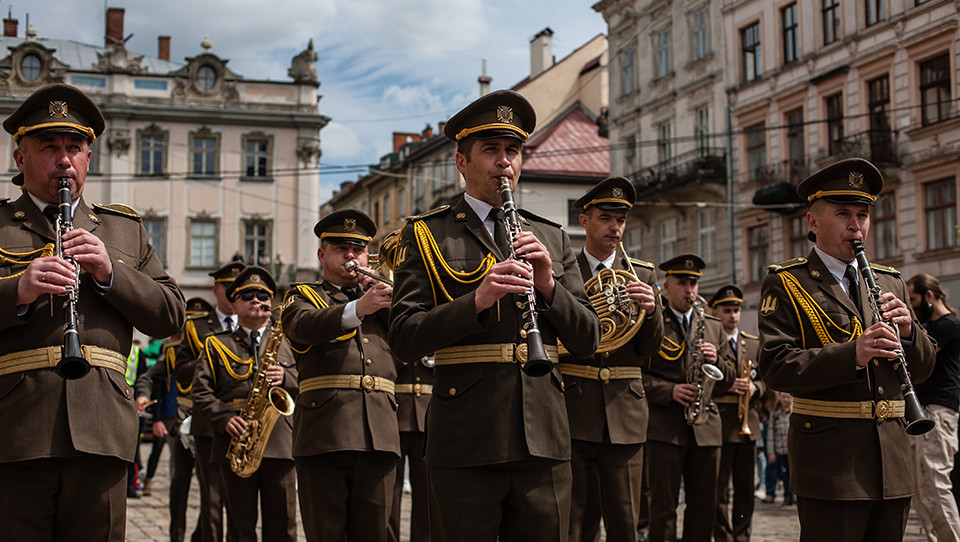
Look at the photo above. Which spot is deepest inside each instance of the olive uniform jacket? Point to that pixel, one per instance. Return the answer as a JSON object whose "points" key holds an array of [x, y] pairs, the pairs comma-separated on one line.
{"points": [[745, 356], [197, 329], [485, 413], [339, 419], [667, 367], [834, 458], [616, 408], [95, 414], [216, 385]]}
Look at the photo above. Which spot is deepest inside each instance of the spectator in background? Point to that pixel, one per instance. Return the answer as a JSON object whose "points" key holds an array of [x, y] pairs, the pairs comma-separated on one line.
{"points": [[777, 447], [940, 396]]}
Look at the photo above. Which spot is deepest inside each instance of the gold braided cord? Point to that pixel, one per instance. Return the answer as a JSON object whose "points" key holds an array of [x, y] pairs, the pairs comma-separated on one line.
{"points": [[193, 338], [432, 255], [314, 298], [13, 257], [815, 314], [227, 356], [678, 348]]}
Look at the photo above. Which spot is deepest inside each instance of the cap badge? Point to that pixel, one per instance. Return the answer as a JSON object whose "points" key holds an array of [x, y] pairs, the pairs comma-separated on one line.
{"points": [[255, 278], [688, 264], [349, 224], [855, 179], [58, 109], [505, 114], [618, 193]]}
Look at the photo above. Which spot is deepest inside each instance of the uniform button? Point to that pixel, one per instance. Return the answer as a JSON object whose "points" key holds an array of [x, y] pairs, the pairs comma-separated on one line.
{"points": [[452, 391], [806, 425], [606, 354], [418, 379], [369, 362], [365, 340], [876, 363], [880, 390], [563, 387], [127, 393], [313, 404]]}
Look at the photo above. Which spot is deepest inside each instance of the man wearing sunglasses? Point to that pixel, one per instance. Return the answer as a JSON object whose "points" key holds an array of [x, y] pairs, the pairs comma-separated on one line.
{"points": [[225, 372], [346, 439]]}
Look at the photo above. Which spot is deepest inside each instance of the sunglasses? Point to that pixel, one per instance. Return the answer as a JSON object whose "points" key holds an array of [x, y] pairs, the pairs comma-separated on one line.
{"points": [[261, 296]]}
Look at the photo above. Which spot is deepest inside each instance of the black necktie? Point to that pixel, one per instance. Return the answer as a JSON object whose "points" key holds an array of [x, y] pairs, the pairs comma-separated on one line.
{"points": [[351, 293], [685, 324], [600, 267], [500, 231], [254, 343], [51, 212], [851, 275], [228, 323], [733, 344]]}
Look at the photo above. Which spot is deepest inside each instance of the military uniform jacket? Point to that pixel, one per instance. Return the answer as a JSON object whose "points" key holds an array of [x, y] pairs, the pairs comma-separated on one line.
{"points": [[411, 407], [487, 413], [833, 458], [746, 355], [43, 414], [198, 328], [667, 367], [337, 419], [214, 387], [616, 411]]}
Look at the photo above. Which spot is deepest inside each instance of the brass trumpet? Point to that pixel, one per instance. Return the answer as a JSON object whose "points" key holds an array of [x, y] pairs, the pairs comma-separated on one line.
{"points": [[352, 265]]}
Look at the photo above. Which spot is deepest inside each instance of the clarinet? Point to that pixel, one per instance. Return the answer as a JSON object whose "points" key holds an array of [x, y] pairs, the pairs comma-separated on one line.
{"points": [[537, 363], [72, 365], [916, 419]]}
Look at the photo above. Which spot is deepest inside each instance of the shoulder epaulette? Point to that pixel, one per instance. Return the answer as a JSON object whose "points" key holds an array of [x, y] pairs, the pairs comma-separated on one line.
{"points": [[118, 209], [220, 332], [311, 284], [885, 269], [642, 263], [431, 212], [711, 317], [532, 216], [198, 316], [749, 336], [778, 267]]}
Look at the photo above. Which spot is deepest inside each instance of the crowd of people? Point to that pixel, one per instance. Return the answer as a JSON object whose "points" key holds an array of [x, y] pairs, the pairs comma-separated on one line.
{"points": [[535, 391]]}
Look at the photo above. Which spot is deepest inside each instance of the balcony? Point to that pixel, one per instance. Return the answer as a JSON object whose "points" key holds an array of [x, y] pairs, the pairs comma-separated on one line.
{"points": [[878, 146], [702, 165], [777, 185]]}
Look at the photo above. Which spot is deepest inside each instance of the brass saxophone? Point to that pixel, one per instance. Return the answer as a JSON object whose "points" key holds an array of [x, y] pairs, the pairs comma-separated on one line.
{"points": [[265, 404], [704, 375]]}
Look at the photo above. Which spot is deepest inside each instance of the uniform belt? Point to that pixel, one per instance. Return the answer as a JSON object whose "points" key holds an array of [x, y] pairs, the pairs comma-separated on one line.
{"points": [[416, 389], [603, 374], [488, 353], [880, 410], [49, 356], [727, 399], [184, 402], [349, 382]]}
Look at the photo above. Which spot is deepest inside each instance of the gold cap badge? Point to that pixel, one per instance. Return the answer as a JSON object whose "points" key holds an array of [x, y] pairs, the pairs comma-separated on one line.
{"points": [[855, 179], [59, 109], [505, 114], [349, 224]]}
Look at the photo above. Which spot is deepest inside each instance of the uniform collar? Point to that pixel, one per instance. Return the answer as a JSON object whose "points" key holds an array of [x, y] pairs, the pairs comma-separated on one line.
{"points": [[592, 261]]}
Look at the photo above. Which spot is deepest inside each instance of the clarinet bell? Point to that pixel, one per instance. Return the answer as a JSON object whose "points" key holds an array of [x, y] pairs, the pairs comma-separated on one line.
{"points": [[917, 422], [72, 364], [537, 362]]}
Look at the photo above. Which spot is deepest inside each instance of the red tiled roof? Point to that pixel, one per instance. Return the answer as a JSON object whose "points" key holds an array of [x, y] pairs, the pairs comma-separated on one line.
{"points": [[568, 146]]}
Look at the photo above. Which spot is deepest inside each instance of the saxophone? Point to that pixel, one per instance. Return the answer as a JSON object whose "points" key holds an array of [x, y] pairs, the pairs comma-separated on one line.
{"points": [[704, 375], [265, 404]]}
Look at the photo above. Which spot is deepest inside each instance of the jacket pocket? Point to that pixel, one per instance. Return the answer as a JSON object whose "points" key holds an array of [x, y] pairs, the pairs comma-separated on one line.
{"points": [[8, 382], [811, 425], [315, 398], [636, 387], [456, 381]]}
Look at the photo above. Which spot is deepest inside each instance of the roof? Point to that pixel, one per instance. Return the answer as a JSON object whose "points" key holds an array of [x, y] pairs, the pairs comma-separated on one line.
{"points": [[569, 146], [83, 57]]}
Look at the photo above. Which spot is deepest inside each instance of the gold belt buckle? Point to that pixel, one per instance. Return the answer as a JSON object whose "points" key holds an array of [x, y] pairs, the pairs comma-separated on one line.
{"points": [[605, 375], [520, 352], [367, 383], [417, 389], [882, 410]]}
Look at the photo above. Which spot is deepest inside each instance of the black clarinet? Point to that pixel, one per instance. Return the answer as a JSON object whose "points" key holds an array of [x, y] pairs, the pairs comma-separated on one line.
{"points": [[916, 419], [537, 362], [72, 365]]}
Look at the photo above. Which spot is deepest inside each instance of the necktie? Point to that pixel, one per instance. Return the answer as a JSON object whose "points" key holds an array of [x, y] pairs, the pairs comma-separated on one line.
{"points": [[351, 293], [50, 211], [500, 231], [228, 323], [733, 344], [254, 343], [685, 324], [851, 275], [600, 267]]}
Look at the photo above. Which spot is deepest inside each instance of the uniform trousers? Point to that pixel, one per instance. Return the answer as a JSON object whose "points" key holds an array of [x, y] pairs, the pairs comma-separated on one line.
{"points": [[698, 467], [852, 521], [63, 499], [737, 459], [519, 501], [346, 495], [211, 505], [933, 454], [411, 449], [181, 474], [614, 473], [274, 485]]}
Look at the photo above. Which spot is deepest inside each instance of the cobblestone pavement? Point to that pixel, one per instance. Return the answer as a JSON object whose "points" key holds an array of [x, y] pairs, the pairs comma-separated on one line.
{"points": [[148, 518]]}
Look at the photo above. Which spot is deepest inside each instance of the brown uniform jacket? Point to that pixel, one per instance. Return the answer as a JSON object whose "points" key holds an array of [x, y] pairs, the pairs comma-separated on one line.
{"points": [[748, 347], [197, 329], [618, 408], [43, 414], [214, 387], [832, 458], [332, 419], [412, 407], [487, 413], [667, 367]]}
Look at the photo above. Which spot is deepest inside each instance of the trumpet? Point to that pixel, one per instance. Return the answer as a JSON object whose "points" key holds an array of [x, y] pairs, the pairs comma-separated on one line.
{"points": [[352, 265]]}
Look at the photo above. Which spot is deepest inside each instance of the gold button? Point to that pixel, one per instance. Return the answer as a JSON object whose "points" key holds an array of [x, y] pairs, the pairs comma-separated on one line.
{"points": [[876, 363], [365, 340], [119, 260], [367, 383], [418, 389], [369, 362], [606, 354], [452, 391], [418, 379], [127, 393], [880, 390], [563, 387], [313, 404], [806, 425], [605, 375]]}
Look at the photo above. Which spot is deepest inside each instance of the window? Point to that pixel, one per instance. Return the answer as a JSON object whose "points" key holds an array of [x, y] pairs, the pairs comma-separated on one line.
{"points": [[663, 53], [702, 129], [707, 236], [402, 202], [835, 123], [884, 228], [256, 241], [941, 212], [791, 42], [206, 77], [756, 151], [203, 243], [701, 41], [30, 67], [376, 212], [876, 11], [831, 21], [204, 153], [628, 82], [663, 143], [257, 151], [750, 43], [152, 146], [386, 209], [758, 239], [452, 169], [157, 234], [419, 174], [631, 152], [881, 137], [795, 145], [633, 242], [668, 238], [573, 214], [798, 236], [935, 89], [94, 166]]}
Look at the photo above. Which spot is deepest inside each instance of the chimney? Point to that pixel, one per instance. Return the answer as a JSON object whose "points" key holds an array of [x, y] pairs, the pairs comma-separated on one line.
{"points": [[163, 47], [541, 52], [402, 138], [9, 25], [440, 127], [114, 26], [427, 133], [484, 79]]}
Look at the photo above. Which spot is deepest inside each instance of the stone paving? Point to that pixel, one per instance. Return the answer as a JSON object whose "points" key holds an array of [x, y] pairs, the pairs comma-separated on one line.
{"points": [[148, 517]]}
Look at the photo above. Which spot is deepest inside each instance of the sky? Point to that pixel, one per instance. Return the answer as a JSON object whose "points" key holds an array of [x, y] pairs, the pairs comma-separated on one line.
{"points": [[384, 65]]}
